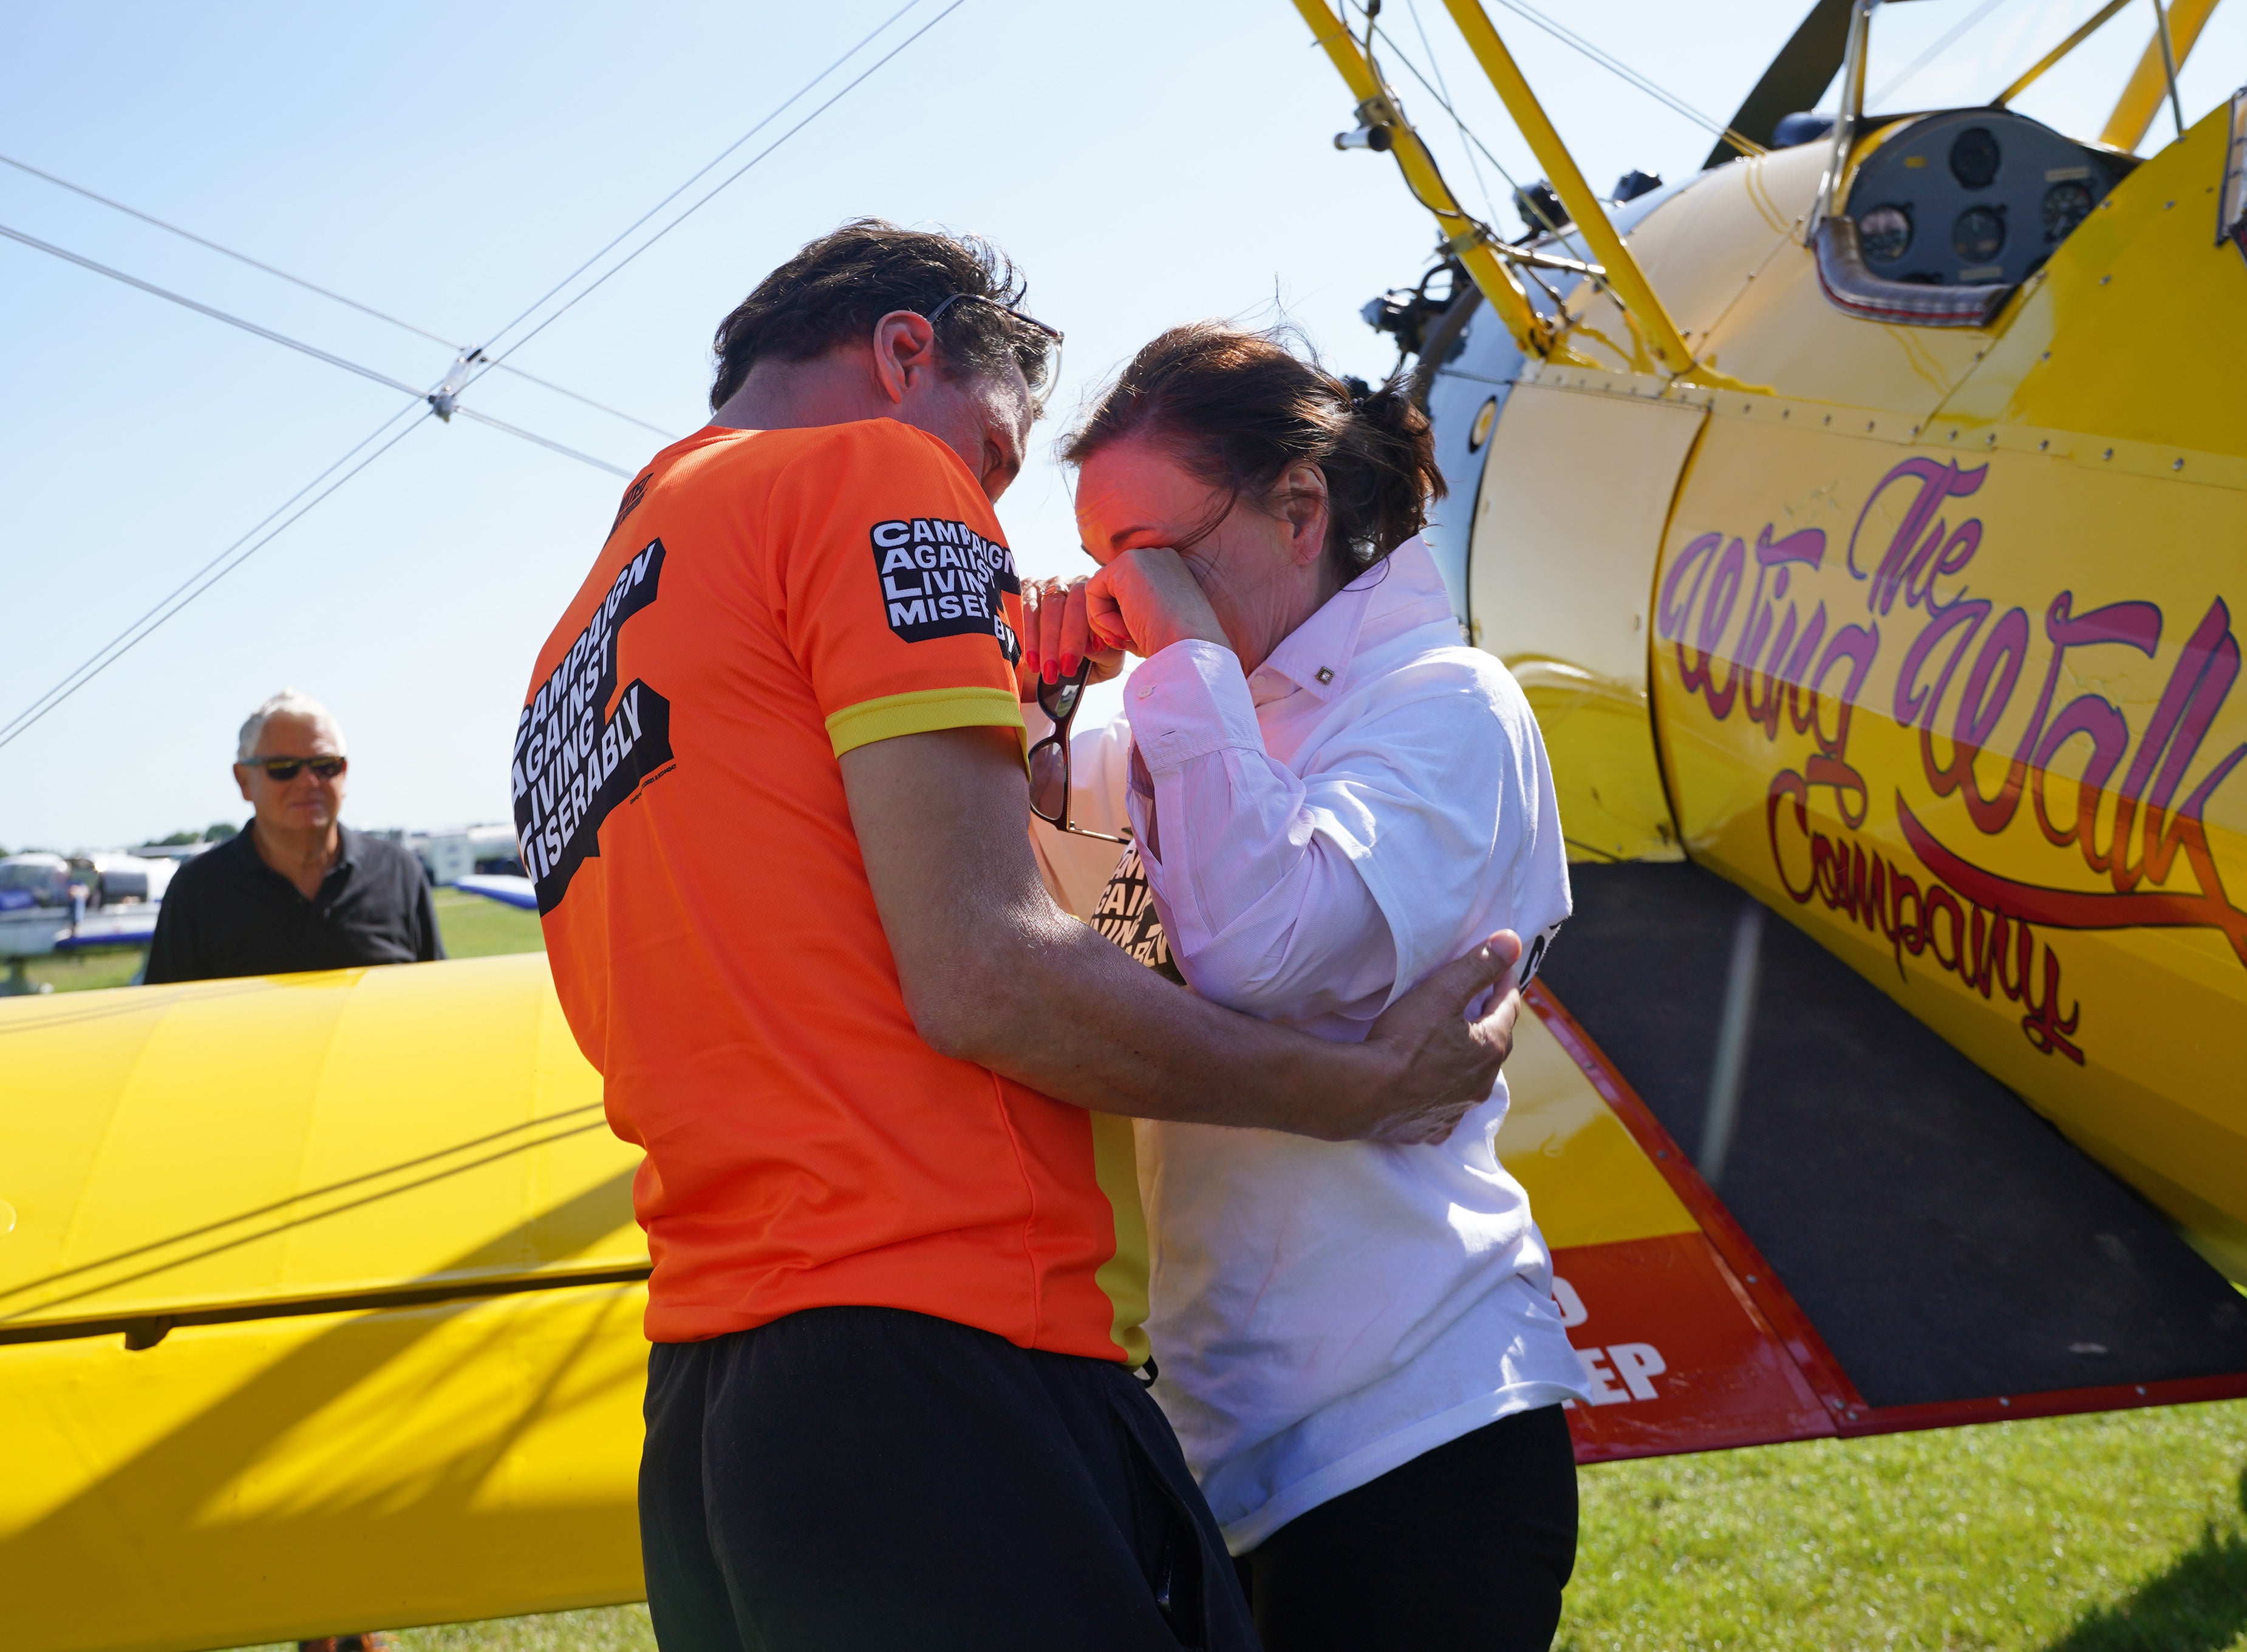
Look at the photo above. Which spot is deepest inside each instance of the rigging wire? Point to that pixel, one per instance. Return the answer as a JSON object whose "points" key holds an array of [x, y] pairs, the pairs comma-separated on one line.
{"points": [[621, 235], [1616, 66], [1957, 32], [210, 573], [283, 339], [244, 549], [1531, 211], [1413, 8], [532, 435], [314, 287], [599, 280], [298, 344], [227, 252]]}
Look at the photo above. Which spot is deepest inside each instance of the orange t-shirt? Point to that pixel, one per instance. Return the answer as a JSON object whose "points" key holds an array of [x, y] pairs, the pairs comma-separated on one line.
{"points": [[766, 601]]}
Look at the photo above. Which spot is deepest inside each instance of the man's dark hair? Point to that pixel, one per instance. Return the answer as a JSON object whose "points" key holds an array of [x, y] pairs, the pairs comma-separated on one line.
{"points": [[834, 291]]}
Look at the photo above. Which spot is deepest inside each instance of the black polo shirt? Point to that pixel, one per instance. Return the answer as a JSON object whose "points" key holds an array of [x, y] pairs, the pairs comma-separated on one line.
{"points": [[226, 912]]}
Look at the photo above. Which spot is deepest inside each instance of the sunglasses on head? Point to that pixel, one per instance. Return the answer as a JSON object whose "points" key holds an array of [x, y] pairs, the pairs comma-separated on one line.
{"points": [[1053, 335], [284, 769], [1049, 770]]}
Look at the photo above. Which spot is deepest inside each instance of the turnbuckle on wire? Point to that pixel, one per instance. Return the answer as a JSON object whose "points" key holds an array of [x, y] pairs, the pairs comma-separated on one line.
{"points": [[446, 397]]}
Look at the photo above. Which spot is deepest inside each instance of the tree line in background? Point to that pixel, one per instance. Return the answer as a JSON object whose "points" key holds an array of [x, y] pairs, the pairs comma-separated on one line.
{"points": [[217, 832]]}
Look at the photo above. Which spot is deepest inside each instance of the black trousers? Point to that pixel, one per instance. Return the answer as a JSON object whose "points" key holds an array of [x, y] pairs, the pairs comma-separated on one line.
{"points": [[854, 1479], [1465, 1546]]}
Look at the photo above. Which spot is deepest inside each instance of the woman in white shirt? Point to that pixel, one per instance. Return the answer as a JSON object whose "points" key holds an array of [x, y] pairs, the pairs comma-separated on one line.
{"points": [[1325, 796]]}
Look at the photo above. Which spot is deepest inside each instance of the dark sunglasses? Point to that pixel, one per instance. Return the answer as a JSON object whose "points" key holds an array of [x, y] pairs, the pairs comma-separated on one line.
{"points": [[281, 770], [1049, 757]]}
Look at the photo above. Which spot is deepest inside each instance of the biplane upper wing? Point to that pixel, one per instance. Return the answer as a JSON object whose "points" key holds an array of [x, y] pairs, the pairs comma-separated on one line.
{"points": [[1894, 1240]]}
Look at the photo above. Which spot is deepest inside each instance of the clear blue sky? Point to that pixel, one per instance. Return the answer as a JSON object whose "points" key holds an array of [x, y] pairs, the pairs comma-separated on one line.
{"points": [[1146, 163]]}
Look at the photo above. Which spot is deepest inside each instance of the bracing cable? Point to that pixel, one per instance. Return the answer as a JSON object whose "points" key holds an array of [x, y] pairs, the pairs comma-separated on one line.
{"points": [[617, 238], [590, 287], [1532, 213], [1957, 33], [216, 569], [201, 308], [1624, 72], [298, 344], [314, 287], [1412, 7], [1528, 205], [260, 535], [544, 441]]}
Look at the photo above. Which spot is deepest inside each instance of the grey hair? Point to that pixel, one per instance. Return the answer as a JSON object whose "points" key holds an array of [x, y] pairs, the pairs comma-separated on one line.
{"points": [[287, 703]]}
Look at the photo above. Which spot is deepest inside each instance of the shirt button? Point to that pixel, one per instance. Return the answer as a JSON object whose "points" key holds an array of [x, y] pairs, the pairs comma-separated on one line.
{"points": [[1145, 689]]}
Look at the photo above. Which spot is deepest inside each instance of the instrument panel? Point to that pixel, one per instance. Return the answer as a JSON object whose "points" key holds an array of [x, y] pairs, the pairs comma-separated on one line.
{"points": [[1974, 197]]}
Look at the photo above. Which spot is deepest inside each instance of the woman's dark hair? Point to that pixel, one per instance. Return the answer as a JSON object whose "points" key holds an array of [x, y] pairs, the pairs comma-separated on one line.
{"points": [[1238, 408], [834, 291]]}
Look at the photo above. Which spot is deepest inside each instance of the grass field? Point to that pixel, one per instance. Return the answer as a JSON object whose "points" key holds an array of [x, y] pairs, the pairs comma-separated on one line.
{"points": [[2119, 1533], [473, 927], [84, 972]]}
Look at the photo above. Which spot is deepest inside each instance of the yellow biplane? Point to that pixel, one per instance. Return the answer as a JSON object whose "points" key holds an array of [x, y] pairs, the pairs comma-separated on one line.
{"points": [[1862, 517]]}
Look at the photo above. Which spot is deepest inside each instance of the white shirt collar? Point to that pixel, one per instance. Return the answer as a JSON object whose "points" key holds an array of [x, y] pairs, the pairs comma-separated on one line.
{"points": [[1315, 657]]}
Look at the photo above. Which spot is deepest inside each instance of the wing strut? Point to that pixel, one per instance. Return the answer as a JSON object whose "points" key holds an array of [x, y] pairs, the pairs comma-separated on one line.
{"points": [[1623, 273], [2090, 27], [2155, 75], [1382, 123]]}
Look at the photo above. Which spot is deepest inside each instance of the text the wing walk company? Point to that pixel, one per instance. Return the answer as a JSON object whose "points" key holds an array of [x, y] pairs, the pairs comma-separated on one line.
{"points": [[2128, 803]]}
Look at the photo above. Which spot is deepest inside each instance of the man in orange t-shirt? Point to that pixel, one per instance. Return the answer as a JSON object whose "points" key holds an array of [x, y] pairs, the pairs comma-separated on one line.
{"points": [[769, 781]]}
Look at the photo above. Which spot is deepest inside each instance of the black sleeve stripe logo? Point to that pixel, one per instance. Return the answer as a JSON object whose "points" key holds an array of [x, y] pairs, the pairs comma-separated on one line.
{"points": [[1126, 915], [572, 765], [1534, 956], [943, 579]]}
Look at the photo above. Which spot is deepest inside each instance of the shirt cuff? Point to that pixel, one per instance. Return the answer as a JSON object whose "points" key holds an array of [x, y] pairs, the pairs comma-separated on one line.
{"points": [[1189, 700], [922, 711]]}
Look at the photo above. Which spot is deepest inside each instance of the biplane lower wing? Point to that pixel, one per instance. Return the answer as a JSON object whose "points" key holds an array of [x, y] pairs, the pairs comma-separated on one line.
{"points": [[320, 1296], [320, 1307], [1897, 1241]]}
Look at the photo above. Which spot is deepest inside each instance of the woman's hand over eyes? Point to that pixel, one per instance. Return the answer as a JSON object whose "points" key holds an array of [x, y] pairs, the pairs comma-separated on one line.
{"points": [[1148, 598], [1056, 636]]}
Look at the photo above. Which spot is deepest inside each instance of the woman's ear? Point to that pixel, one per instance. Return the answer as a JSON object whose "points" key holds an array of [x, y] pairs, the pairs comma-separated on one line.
{"points": [[1302, 499]]}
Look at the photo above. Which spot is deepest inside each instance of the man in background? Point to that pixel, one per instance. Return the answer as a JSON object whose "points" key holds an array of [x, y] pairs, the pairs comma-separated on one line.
{"points": [[295, 889]]}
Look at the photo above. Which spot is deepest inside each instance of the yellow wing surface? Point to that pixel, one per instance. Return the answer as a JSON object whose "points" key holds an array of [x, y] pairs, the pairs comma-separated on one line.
{"points": [[320, 1307]]}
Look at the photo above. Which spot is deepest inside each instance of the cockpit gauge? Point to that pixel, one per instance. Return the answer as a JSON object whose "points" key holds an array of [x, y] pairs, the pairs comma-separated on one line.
{"points": [[1975, 158], [2066, 204], [1885, 234], [2007, 189], [1979, 235]]}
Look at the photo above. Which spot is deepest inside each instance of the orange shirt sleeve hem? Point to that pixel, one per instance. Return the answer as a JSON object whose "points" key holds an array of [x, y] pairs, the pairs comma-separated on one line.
{"points": [[924, 711]]}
